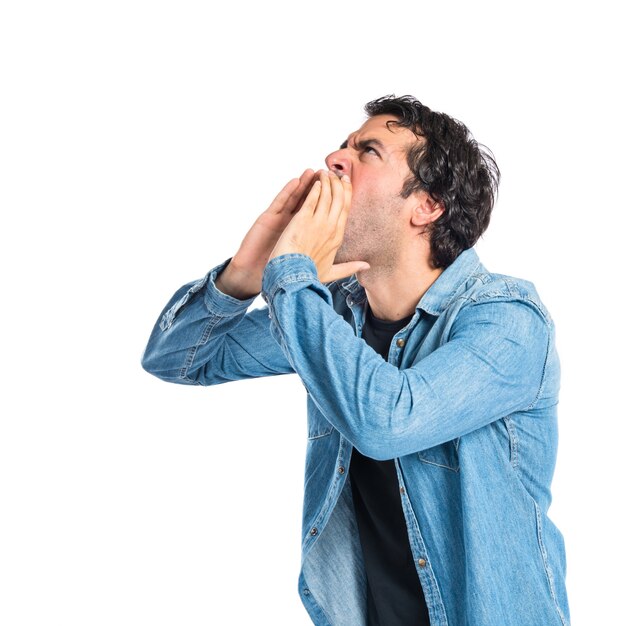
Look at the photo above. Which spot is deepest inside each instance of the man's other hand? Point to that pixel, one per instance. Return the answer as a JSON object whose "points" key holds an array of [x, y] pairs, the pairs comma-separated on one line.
{"points": [[242, 277]]}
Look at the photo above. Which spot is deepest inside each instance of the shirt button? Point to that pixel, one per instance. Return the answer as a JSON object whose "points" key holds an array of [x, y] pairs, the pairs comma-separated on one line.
{"points": [[349, 300], [402, 490], [305, 592], [400, 343], [313, 532], [341, 469], [421, 562]]}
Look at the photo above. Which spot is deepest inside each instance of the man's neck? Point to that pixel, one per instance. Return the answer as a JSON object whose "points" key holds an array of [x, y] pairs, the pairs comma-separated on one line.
{"points": [[393, 294]]}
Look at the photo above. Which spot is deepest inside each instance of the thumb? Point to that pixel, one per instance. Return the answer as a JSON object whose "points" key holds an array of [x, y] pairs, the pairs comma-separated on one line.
{"points": [[343, 270]]}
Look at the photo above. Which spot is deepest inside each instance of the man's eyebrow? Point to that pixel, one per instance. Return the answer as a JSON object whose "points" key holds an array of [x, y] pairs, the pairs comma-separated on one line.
{"points": [[363, 143]]}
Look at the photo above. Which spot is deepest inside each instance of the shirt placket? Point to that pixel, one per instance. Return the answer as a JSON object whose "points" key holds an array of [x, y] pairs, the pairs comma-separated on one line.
{"points": [[418, 547]]}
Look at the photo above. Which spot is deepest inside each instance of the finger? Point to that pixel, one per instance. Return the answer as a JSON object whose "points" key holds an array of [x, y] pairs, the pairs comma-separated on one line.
{"points": [[300, 194], [347, 201], [312, 198], [343, 270], [292, 193], [297, 197], [323, 203], [281, 201], [306, 183], [307, 175], [347, 192], [337, 190]]}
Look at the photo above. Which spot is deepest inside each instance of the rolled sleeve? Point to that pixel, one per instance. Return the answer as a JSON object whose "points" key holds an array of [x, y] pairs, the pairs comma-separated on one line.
{"points": [[285, 269]]}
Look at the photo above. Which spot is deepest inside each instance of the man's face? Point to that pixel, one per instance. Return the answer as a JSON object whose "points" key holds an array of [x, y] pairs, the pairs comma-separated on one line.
{"points": [[378, 223]]}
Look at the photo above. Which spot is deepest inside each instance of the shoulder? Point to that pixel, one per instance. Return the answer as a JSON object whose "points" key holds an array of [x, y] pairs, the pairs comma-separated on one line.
{"points": [[489, 288]]}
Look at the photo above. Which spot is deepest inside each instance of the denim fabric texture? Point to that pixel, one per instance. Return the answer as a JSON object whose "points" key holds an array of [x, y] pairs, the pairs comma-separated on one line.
{"points": [[465, 405]]}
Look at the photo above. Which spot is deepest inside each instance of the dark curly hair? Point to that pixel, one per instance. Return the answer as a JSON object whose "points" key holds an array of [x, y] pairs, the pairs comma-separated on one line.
{"points": [[452, 168]]}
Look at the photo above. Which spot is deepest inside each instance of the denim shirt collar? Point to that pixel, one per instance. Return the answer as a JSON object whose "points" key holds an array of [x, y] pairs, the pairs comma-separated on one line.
{"points": [[439, 295]]}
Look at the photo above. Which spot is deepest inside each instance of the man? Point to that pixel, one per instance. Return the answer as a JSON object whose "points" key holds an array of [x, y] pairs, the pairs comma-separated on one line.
{"points": [[432, 384]]}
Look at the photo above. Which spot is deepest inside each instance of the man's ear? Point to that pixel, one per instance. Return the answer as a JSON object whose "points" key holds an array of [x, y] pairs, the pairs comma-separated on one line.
{"points": [[426, 210]]}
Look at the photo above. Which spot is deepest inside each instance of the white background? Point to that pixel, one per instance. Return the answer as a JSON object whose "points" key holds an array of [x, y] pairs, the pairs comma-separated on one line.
{"points": [[138, 143]]}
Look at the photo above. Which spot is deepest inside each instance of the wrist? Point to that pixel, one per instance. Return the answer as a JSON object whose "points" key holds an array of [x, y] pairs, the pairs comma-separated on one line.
{"points": [[237, 282]]}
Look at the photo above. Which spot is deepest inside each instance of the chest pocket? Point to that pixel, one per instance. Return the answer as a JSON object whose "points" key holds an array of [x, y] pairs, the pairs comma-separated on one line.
{"points": [[445, 455], [318, 425]]}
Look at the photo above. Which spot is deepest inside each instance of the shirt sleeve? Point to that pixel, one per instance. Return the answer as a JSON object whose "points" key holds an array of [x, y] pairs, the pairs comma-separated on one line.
{"points": [[206, 337], [491, 366]]}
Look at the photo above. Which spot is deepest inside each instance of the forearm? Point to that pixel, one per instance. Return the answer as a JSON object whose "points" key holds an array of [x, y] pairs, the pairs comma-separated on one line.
{"points": [[205, 337]]}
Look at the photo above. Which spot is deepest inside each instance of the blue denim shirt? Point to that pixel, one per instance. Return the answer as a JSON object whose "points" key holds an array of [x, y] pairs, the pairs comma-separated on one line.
{"points": [[465, 405]]}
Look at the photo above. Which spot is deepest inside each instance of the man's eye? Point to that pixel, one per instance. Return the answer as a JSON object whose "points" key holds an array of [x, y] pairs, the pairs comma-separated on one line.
{"points": [[368, 148]]}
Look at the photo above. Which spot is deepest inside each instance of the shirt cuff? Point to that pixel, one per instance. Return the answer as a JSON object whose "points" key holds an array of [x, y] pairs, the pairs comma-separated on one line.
{"points": [[217, 302], [284, 269]]}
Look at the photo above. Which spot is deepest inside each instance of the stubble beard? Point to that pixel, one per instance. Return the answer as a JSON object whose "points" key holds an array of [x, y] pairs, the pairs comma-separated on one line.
{"points": [[371, 235]]}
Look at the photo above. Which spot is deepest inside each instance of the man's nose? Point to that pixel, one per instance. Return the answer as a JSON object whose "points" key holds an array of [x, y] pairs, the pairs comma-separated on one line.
{"points": [[339, 162]]}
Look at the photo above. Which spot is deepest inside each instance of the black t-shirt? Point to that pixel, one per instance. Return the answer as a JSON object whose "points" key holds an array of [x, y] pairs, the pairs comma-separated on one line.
{"points": [[394, 592]]}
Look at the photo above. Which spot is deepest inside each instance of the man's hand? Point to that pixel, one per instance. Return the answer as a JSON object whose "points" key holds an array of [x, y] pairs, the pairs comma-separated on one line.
{"points": [[242, 277], [318, 227]]}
